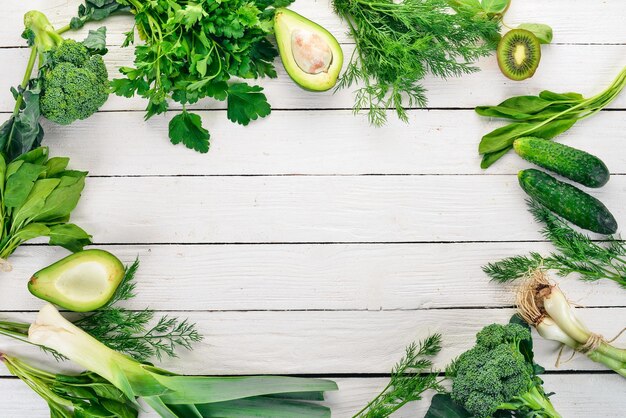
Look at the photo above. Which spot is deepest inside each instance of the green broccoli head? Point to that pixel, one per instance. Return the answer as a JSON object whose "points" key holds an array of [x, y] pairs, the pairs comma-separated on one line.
{"points": [[495, 375], [74, 84]]}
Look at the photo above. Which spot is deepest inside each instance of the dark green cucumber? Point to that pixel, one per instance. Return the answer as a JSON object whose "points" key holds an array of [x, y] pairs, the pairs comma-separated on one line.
{"points": [[569, 162], [568, 201]]}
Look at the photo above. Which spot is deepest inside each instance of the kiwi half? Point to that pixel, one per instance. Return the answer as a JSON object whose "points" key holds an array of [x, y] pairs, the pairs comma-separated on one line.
{"points": [[519, 53]]}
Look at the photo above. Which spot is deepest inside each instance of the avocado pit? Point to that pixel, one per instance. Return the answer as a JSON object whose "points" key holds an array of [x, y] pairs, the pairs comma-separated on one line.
{"points": [[311, 52]]}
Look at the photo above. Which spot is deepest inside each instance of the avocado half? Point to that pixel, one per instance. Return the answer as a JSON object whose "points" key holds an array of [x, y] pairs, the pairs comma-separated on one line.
{"points": [[81, 282], [311, 55]]}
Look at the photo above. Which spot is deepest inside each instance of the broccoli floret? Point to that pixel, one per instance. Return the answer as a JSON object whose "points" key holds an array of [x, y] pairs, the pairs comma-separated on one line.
{"points": [[74, 82], [495, 375]]}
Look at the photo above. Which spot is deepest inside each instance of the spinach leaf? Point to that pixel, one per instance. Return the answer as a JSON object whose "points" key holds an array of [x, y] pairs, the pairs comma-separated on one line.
{"points": [[38, 196], [541, 31], [69, 236], [442, 406]]}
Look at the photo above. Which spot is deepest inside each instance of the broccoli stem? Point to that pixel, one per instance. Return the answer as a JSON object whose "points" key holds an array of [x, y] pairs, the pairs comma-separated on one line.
{"points": [[29, 70], [536, 400]]}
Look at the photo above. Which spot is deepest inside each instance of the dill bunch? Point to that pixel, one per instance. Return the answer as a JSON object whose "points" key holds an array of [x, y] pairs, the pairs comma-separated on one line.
{"points": [[410, 378], [130, 332], [576, 253], [398, 44]]}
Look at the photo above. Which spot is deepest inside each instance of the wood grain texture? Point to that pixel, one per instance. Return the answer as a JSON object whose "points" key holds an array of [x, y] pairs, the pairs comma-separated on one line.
{"points": [[382, 262], [601, 397], [300, 277], [435, 142], [313, 209], [341, 342]]}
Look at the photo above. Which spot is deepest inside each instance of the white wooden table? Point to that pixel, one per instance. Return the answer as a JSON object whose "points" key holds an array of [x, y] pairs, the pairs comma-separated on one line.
{"points": [[310, 243]]}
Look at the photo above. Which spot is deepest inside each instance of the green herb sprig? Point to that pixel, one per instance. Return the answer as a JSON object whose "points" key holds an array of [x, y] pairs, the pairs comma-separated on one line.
{"points": [[130, 332], [191, 51], [399, 43], [544, 116], [577, 253], [410, 378]]}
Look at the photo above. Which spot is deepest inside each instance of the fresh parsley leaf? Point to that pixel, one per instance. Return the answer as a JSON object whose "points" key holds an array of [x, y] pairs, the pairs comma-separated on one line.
{"points": [[246, 103], [187, 128]]}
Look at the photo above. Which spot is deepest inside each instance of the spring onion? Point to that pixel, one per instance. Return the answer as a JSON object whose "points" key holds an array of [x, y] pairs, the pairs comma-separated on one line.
{"points": [[543, 305], [173, 395]]}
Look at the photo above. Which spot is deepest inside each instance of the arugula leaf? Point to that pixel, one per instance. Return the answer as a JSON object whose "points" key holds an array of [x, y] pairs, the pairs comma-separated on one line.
{"points": [[187, 128], [246, 103]]}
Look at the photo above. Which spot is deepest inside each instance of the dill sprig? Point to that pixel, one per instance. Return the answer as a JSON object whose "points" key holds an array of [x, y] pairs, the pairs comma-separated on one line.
{"points": [[410, 378], [130, 332], [399, 43], [577, 253]]}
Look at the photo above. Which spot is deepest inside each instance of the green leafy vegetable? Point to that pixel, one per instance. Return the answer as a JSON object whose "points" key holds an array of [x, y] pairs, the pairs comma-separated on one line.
{"points": [[442, 406], [577, 253], [37, 195], [96, 10], [130, 332], [83, 395], [544, 116], [410, 378], [398, 43], [541, 31], [246, 103], [192, 51], [187, 128]]}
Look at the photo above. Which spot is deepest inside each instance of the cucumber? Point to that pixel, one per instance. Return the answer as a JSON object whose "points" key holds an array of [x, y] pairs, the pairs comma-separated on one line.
{"points": [[569, 162], [568, 201]]}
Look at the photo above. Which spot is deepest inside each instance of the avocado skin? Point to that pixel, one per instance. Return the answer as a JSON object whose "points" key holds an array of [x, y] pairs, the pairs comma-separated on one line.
{"points": [[285, 21], [42, 283]]}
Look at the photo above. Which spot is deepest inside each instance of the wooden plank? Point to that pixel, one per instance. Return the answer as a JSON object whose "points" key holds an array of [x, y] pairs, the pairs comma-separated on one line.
{"points": [[577, 396], [313, 209], [300, 277], [587, 69], [577, 25], [341, 342], [436, 142]]}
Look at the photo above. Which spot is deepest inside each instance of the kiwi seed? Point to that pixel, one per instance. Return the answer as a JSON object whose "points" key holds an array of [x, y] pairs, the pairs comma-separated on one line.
{"points": [[519, 53]]}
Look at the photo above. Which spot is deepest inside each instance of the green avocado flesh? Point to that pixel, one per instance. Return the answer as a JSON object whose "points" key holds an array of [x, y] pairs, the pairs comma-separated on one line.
{"points": [[311, 55], [81, 282]]}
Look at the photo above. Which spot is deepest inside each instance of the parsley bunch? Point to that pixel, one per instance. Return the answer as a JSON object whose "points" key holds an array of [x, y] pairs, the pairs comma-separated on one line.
{"points": [[399, 43], [191, 51]]}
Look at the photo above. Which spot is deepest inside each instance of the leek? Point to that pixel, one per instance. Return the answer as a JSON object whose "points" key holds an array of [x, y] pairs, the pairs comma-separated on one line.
{"points": [[543, 305], [173, 395]]}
